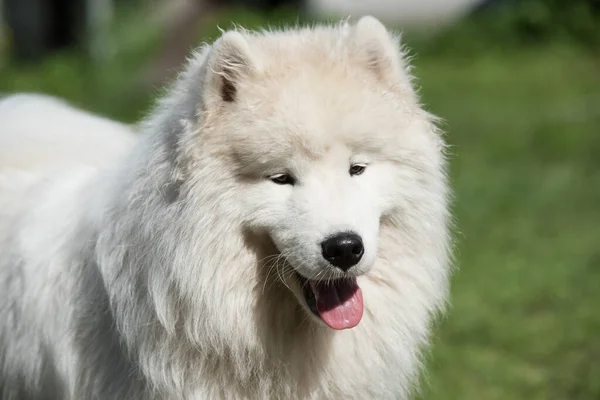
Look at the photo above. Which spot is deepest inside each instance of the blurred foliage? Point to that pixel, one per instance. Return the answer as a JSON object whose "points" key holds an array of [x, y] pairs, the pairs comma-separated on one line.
{"points": [[511, 23]]}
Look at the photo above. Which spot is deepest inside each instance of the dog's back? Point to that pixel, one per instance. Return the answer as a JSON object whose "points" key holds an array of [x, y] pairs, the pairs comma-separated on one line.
{"points": [[40, 132], [42, 137]]}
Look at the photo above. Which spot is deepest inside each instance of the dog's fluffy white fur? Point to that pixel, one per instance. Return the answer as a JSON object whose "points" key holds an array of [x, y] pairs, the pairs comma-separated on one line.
{"points": [[41, 132], [167, 268]]}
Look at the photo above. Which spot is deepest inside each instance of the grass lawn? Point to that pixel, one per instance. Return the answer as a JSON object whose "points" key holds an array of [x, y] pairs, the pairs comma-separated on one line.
{"points": [[525, 318], [524, 126]]}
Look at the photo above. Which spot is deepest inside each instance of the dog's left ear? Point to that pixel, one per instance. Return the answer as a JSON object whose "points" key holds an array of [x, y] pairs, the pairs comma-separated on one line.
{"points": [[230, 62], [380, 52]]}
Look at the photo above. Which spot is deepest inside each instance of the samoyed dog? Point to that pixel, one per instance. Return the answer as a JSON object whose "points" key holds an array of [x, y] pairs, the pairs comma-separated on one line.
{"points": [[278, 231]]}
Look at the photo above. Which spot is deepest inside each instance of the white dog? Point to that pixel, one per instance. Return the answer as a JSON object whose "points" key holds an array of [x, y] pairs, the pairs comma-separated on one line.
{"points": [[278, 232]]}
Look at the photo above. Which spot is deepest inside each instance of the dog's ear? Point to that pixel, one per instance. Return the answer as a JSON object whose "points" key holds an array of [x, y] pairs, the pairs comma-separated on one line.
{"points": [[380, 52], [230, 62]]}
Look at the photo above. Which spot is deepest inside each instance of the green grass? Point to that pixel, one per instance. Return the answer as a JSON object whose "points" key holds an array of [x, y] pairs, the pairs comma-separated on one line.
{"points": [[524, 127], [525, 133]]}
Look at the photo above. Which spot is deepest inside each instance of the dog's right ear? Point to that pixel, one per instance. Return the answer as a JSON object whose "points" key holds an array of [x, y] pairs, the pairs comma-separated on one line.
{"points": [[380, 52], [229, 63]]}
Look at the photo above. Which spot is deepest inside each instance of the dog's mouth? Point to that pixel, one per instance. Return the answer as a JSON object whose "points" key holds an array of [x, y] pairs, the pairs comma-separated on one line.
{"points": [[338, 303]]}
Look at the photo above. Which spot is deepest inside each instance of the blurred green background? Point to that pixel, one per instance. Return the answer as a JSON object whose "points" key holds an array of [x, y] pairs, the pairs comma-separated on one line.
{"points": [[518, 88]]}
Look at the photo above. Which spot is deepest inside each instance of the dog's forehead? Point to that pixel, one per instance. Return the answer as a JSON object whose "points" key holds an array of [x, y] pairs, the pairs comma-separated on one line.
{"points": [[305, 126], [313, 111], [306, 101]]}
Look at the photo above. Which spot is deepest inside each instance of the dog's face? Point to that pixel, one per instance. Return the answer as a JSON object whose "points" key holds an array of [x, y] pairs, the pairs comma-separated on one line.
{"points": [[322, 213], [316, 144]]}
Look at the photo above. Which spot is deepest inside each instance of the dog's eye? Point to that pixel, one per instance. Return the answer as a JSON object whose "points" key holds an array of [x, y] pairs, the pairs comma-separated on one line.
{"points": [[282, 179], [357, 169]]}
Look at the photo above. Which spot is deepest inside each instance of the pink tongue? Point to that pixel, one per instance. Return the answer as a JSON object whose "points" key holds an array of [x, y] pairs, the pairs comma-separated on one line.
{"points": [[340, 304]]}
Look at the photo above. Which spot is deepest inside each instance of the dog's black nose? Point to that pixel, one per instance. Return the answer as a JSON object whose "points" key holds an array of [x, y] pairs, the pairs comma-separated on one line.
{"points": [[343, 250]]}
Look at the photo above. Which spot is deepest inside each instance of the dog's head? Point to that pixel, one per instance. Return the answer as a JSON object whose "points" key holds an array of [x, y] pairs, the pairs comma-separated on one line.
{"points": [[326, 139]]}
